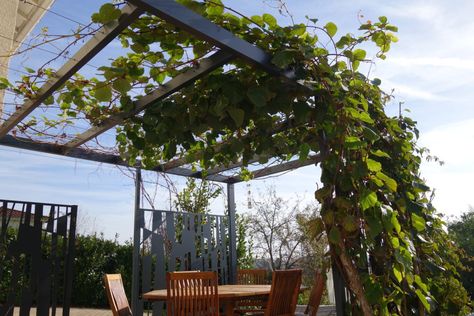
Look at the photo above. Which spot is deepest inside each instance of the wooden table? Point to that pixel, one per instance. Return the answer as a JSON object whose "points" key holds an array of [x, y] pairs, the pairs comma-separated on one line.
{"points": [[228, 295]]}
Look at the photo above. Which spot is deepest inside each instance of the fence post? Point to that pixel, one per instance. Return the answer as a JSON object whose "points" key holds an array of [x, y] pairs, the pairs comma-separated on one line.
{"points": [[232, 234], [136, 246]]}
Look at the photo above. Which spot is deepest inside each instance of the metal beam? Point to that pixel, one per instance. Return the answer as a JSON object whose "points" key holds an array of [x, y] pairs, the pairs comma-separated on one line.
{"points": [[232, 234], [103, 37], [137, 220], [81, 153], [291, 165], [197, 25], [204, 67]]}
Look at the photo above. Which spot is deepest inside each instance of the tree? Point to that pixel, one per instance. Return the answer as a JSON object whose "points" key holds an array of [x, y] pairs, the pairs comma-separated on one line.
{"points": [[385, 237], [196, 197], [462, 231], [276, 231]]}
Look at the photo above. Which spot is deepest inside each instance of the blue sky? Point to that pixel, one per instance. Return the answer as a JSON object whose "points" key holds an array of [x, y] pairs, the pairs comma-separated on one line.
{"points": [[430, 70]]}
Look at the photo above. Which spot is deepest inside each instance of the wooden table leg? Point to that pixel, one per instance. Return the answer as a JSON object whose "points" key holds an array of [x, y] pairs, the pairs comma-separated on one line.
{"points": [[229, 306]]}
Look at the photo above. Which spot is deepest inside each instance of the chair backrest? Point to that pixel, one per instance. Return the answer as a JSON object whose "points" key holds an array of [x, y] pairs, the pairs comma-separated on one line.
{"points": [[316, 294], [252, 276], [116, 295], [284, 292], [193, 293]]}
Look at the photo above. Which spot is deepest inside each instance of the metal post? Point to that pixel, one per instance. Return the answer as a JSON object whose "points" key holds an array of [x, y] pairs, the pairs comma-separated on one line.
{"points": [[136, 246], [232, 234], [70, 261], [339, 291]]}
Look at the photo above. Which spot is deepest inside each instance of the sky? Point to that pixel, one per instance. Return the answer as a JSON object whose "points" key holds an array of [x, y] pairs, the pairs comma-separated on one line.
{"points": [[430, 71]]}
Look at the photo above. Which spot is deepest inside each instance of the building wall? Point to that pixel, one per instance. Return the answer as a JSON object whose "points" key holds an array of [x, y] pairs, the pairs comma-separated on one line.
{"points": [[8, 13], [17, 19]]}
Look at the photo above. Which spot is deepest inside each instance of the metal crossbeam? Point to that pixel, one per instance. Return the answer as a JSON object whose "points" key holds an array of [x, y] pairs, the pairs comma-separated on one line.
{"points": [[81, 153], [287, 166], [204, 67], [177, 14], [80, 58]]}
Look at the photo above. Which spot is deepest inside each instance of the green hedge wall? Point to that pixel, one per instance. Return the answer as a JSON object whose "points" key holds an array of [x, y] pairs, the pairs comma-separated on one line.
{"points": [[96, 256]]}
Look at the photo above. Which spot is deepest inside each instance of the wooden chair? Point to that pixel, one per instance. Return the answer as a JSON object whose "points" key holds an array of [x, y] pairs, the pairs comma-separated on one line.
{"points": [[315, 295], [116, 295], [284, 293], [193, 293], [252, 276], [255, 304]]}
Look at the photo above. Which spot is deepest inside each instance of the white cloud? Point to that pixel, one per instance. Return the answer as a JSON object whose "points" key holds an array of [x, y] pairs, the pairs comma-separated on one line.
{"points": [[453, 181], [410, 91], [449, 62]]}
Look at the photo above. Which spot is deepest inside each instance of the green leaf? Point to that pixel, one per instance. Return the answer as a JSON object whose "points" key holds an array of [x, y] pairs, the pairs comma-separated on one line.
{"points": [[4, 83], [257, 96], [283, 58], [383, 19], [298, 30], [395, 242], [421, 284], [334, 236], [389, 182], [304, 151], [237, 115], [359, 54], [418, 222], [215, 8], [423, 299], [421, 186], [107, 13], [103, 92], [376, 82], [331, 28], [380, 153], [322, 193], [368, 199], [257, 19], [374, 225], [315, 227], [369, 134], [122, 85], [397, 273], [392, 28], [374, 292], [349, 223], [269, 20], [29, 70], [373, 165], [49, 100], [395, 223]]}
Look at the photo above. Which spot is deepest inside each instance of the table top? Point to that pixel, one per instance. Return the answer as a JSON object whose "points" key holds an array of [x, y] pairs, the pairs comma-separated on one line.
{"points": [[229, 291]]}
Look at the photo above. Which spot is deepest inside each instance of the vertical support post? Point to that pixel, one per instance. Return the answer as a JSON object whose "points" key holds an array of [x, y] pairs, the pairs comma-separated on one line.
{"points": [[339, 291], [136, 245], [70, 261], [232, 234]]}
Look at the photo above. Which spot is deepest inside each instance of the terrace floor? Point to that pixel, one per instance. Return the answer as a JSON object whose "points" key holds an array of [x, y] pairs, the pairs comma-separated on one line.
{"points": [[74, 312], [324, 310]]}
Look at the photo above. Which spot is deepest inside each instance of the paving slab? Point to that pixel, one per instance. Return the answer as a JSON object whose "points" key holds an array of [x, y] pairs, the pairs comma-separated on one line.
{"points": [[73, 312]]}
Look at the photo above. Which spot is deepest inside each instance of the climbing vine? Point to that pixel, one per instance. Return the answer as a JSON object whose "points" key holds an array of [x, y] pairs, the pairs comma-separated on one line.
{"points": [[385, 236]]}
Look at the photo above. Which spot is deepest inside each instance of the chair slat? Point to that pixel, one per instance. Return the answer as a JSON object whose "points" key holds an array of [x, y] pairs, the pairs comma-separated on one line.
{"points": [[116, 295], [284, 292], [193, 293], [255, 304], [316, 294]]}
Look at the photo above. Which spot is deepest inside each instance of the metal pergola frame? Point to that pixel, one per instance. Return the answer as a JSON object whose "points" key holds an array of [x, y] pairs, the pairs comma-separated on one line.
{"points": [[230, 48]]}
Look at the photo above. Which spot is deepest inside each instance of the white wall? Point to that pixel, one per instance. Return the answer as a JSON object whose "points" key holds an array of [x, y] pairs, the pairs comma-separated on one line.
{"points": [[8, 12]]}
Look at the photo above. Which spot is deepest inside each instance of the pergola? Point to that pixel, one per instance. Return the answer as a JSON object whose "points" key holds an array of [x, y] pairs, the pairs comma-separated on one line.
{"points": [[230, 48]]}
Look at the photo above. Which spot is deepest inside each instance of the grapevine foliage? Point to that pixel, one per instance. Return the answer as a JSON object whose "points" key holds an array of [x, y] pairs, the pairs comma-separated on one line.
{"points": [[385, 236]]}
